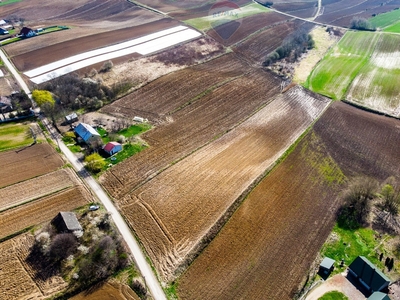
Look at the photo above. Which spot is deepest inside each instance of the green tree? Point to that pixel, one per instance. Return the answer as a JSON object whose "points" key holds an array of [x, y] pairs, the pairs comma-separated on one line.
{"points": [[43, 97], [390, 204], [94, 162]]}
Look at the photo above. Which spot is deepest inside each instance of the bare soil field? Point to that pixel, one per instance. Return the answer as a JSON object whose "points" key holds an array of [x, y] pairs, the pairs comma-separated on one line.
{"points": [[18, 280], [44, 209], [28, 162], [183, 203], [168, 93], [302, 9], [107, 291], [280, 227], [361, 142], [340, 13], [37, 187], [103, 14], [200, 121], [231, 32], [42, 53], [258, 46], [269, 243], [15, 282]]}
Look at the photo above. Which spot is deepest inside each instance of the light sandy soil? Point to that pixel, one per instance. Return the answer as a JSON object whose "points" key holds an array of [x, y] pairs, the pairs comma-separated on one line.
{"points": [[336, 283], [323, 41]]}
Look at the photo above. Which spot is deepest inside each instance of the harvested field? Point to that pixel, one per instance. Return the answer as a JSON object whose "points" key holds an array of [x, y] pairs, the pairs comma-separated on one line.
{"points": [[361, 142], [277, 231], [39, 56], [15, 282], [376, 86], [340, 13], [42, 159], [168, 93], [35, 188], [301, 9], [203, 119], [258, 46], [44, 209], [233, 32], [108, 291], [181, 206]]}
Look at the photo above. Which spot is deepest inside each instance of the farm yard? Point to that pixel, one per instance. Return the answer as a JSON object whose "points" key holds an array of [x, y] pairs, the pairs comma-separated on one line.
{"points": [[341, 144], [207, 176]]}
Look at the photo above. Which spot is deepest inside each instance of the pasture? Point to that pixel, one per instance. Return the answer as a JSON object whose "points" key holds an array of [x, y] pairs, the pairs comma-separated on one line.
{"points": [[282, 224], [14, 135], [384, 20], [330, 78]]}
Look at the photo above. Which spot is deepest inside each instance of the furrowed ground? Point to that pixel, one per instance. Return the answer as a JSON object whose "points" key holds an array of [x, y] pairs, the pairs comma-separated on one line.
{"points": [[176, 212], [282, 224]]}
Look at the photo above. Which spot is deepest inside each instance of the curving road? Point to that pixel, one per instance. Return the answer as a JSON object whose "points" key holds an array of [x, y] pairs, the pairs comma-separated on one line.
{"points": [[151, 281]]}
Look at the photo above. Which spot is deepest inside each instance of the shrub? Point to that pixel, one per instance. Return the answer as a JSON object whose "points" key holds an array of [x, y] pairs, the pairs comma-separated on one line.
{"points": [[107, 66], [62, 246], [361, 24], [94, 162], [42, 97], [139, 289]]}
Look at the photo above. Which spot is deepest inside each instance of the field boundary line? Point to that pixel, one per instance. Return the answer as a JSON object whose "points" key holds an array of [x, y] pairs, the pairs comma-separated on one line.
{"points": [[13, 235], [368, 109], [170, 164], [226, 216], [157, 220]]}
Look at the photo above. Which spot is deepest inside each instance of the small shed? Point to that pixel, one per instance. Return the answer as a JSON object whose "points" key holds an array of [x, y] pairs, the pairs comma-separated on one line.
{"points": [[71, 118], [112, 147], [86, 132], [368, 274], [66, 222], [378, 296], [27, 32], [139, 119], [327, 265]]}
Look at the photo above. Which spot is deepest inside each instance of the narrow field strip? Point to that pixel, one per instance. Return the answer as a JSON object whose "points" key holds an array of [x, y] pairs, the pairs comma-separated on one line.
{"points": [[85, 55], [143, 49]]}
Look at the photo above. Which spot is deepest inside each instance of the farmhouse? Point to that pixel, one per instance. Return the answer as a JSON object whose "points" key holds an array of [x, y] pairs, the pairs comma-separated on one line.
{"points": [[71, 118], [87, 133], [27, 32], [112, 147], [66, 222], [368, 274]]}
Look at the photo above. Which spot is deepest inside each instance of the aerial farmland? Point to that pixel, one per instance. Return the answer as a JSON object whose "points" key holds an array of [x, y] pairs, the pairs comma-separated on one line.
{"points": [[241, 127]]}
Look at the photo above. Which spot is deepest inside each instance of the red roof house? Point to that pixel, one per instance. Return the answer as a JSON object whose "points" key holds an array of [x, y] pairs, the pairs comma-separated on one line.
{"points": [[112, 148]]}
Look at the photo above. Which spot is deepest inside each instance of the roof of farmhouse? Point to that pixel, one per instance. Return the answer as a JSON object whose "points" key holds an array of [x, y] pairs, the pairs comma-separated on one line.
{"points": [[369, 273], [86, 131]]}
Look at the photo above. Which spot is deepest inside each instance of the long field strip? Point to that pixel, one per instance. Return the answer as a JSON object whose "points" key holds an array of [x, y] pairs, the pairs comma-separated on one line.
{"points": [[44, 209], [145, 45], [280, 227], [25, 163], [377, 84], [182, 204], [35, 188], [387, 21], [334, 74], [201, 120]]}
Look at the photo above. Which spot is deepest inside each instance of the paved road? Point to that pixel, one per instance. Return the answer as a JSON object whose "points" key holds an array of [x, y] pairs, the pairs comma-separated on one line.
{"points": [[151, 280]]}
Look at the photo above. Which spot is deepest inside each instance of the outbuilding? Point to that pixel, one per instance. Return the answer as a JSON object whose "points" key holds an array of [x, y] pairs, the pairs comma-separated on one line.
{"points": [[71, 118], [87, 133], [112, 147], [368, 274], [27, 32], [326, 266], [66, 222], [378, 296]]}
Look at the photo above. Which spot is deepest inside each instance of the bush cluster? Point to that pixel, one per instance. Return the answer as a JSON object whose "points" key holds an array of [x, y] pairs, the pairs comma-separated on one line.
{"points": [[361, 24]]}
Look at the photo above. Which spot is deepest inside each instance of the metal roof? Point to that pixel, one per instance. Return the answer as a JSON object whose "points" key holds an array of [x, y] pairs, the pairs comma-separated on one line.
{"points": [[369, 273], [70, 220], [86, 131], [327, 263], [378, 296]]}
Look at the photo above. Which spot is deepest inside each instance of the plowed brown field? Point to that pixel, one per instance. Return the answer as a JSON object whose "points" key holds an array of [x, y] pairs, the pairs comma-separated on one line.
{"points": [[15, 282], [191, 127], [21, 164], [257, 47], [248, 26], [37, 187], [183, 204], [41, 210], [268, 245]]}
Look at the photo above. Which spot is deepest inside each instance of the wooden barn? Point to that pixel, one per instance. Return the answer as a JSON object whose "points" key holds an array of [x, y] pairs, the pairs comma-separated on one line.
{"points": [[66, 222]]}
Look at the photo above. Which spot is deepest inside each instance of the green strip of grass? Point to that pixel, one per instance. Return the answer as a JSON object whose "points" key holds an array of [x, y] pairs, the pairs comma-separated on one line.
{"points": [[386, 19], [334, 295], [5, 2], [393, 28]]}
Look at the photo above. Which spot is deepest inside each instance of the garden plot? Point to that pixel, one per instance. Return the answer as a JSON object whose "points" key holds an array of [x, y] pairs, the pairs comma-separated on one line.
{"points": [[176, 210], [145, 45], [377, 84]]}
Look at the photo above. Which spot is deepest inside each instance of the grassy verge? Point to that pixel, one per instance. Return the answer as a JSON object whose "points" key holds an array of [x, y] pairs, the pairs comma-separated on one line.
{"points": [[5, 2], [334, 295]]}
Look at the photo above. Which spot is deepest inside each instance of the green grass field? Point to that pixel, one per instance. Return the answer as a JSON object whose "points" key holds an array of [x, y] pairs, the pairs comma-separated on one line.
{"points": [[386, 19], [334, 74], [205, 23], [14, 135], [334, 295], [376, 85], [395, 28]]}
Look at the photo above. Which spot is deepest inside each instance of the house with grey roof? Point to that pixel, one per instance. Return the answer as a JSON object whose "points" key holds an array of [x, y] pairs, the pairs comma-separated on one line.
{"points": [[66, 222]]}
